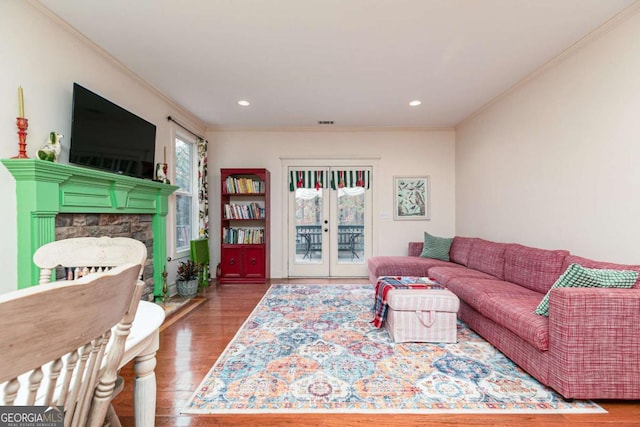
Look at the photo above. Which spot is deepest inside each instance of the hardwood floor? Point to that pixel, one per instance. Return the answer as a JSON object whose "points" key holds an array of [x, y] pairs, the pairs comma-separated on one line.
{"points": [[190, 345]]}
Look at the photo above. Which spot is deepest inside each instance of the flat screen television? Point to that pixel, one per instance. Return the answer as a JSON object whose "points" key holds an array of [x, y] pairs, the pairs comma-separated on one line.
{"points": [[108, 137]]}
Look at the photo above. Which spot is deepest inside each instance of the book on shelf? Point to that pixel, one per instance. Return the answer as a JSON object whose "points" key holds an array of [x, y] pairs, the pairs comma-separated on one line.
{"points": [[245, 211], [243, 185], [242, 236]]}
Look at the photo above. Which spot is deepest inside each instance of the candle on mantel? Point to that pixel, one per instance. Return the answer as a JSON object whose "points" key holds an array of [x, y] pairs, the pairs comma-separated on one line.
{"points": [[165, 155], [20, 102]]}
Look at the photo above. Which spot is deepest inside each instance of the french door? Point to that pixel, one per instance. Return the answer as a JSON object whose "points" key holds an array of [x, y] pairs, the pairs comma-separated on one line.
{"points": [[330, 213]]}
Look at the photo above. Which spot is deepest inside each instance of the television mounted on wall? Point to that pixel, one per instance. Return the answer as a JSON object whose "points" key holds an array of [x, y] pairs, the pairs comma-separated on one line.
{"points": [[106, 136]]}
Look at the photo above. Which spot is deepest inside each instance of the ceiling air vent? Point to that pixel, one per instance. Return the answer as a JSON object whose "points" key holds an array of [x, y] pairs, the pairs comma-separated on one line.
{"points": [[325, 122]]}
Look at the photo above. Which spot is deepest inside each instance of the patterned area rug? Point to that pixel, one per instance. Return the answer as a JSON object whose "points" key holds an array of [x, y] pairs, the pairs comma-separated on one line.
{"points": [[311, 348]]}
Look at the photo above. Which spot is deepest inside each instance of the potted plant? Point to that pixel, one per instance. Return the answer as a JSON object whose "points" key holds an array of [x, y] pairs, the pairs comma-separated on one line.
{"points": [[187, 280]]}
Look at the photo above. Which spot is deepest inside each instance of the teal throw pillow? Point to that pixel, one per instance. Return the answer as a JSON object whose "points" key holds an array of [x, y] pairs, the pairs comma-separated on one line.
{"points": [[436, 247], [578, 276]]}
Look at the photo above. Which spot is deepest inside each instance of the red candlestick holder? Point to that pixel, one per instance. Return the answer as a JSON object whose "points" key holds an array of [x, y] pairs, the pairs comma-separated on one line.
{"points": [[22, 124]]}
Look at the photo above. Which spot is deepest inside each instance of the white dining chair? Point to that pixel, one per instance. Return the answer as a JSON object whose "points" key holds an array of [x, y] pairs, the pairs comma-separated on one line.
{"points": [[61, 343], [76, 257]]}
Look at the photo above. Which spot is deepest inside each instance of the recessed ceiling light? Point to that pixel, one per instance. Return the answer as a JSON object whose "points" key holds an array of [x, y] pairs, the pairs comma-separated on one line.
{"points": [[415, 103], [244, 103]]}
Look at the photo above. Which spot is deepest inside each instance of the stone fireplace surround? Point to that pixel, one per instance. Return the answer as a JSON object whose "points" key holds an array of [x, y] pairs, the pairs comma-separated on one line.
{"points": [[56, 201], [135, 226]]}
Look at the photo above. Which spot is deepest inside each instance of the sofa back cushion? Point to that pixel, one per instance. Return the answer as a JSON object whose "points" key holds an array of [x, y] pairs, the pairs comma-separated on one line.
{"points": [[589, 263], [415, 248], [536, 269], [487, 257], [460, 249]]}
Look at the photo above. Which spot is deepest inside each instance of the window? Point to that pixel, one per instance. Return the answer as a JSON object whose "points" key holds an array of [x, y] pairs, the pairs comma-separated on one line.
{"points": [[186, 195]]}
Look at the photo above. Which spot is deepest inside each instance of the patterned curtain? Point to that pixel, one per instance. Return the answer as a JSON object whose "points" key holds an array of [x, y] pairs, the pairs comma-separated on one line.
{"points": [[203, 192], [307, 179], [350, 179]]}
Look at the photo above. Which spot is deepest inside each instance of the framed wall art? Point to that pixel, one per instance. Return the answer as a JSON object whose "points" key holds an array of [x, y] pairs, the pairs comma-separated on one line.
{"points": [[411, 198]]}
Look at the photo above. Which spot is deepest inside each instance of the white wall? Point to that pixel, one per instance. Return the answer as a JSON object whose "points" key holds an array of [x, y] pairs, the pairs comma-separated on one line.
{"points": [[44, 58], [554, 164], [417, 152]]}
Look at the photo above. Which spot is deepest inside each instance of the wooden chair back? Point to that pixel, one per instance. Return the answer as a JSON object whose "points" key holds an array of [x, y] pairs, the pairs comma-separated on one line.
{"points": [[54, 338], [84, 255]]}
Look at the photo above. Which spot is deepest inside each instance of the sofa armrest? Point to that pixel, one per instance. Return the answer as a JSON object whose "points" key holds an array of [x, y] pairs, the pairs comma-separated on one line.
{"points": [[594, 342]]}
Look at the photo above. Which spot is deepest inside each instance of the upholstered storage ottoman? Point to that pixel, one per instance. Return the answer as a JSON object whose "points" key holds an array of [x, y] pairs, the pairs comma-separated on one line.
{"points": [[422, 315]]}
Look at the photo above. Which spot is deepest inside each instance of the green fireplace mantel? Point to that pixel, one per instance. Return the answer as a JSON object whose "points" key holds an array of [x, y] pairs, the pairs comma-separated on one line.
{"points": [[44, 189]]}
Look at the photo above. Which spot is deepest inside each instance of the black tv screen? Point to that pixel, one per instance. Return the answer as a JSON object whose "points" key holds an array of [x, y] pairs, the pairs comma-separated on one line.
{"points": [[108, 137]]}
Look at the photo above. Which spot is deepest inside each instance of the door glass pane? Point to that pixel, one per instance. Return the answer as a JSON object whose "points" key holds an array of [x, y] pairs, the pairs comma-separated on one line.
{"points": [[351, 225], [309, 226]]}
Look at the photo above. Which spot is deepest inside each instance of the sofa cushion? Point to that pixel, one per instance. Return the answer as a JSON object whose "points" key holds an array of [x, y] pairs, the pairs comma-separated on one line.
{"points": [[578, 276], [475, 292], [589, 263], [445, 274], [515, 312], [536, 269], [402, 266], [436, 247], [488, 257], [460, 249], [507, 304]]}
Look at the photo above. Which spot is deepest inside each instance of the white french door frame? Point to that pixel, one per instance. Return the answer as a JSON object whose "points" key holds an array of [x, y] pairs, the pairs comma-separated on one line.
{"points": [[320, 162]]}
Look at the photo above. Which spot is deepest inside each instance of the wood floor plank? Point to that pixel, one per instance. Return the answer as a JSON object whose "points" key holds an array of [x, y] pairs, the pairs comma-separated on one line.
{"points": [[192, 344]]}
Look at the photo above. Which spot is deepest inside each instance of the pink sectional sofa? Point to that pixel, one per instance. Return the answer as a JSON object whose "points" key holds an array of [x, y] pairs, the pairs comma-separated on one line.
{"points": [[588, 347]]}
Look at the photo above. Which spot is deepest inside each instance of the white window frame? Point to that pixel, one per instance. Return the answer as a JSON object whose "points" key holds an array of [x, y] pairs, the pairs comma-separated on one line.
{"points": [[184, 252]]}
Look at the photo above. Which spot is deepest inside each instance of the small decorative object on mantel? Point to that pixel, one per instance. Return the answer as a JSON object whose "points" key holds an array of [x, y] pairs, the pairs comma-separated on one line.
{"points": [[51, 150], [162, 170], [187, 280], [161, 173], [22, 124]]}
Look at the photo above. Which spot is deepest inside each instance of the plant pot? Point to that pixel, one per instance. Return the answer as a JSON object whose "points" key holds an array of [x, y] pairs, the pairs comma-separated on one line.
{"points": [[187, 288]]}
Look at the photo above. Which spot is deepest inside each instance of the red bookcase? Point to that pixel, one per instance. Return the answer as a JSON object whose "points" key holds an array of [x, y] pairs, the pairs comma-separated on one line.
{"points": [[244, 225]]}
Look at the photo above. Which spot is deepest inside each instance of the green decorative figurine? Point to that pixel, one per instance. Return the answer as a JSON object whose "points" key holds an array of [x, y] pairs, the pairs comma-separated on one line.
{"points": [[51, 150]]}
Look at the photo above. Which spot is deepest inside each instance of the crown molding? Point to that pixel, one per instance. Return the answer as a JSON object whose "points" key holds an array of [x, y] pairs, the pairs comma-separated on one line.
{"points": [[594, 35], [113, 61], [331, 130], [314, 158]]}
